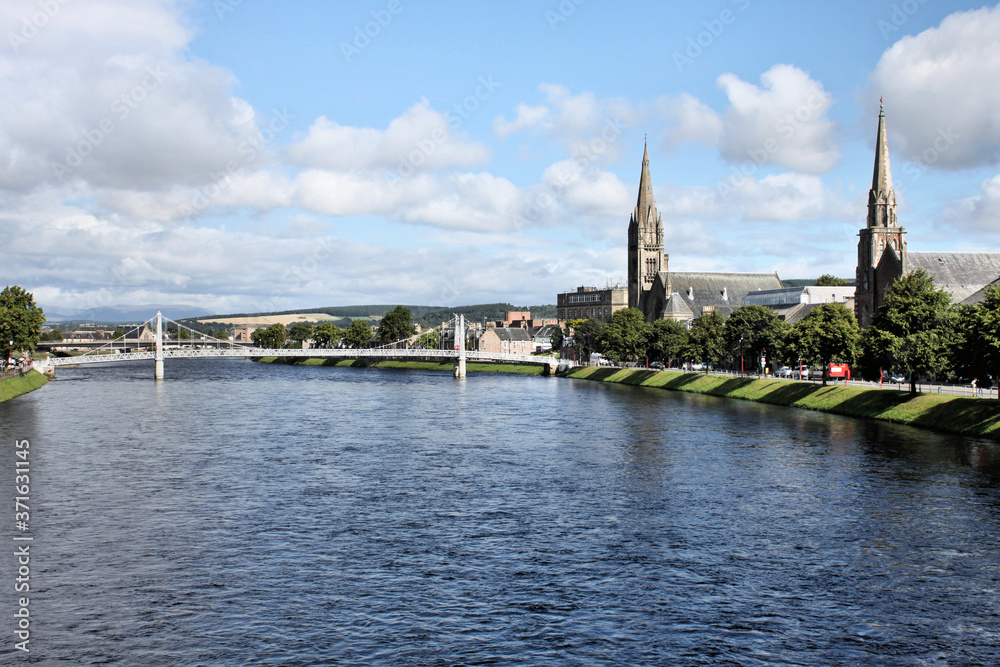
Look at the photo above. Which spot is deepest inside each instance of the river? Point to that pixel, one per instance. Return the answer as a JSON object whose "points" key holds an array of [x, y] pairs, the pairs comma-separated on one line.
{"points": [[240, 513]]}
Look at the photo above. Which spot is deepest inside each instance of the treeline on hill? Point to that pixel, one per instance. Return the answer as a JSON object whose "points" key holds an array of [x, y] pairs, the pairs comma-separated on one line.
{"points": [[916, 331], [426, 315]]}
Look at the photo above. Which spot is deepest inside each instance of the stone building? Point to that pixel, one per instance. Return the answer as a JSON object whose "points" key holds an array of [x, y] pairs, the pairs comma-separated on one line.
{"points": [[883, 256], [591, 303], [663, 294], [513, 340]]}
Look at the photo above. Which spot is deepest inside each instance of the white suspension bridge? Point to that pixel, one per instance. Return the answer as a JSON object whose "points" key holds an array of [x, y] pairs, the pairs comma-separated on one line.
{"points": [[207, 347]]}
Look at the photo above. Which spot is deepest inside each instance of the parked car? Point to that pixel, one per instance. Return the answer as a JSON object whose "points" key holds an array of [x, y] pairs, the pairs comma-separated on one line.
{"points": [[697, 367], [784, 372], [897, 378], [656, 364], [804, 373]]}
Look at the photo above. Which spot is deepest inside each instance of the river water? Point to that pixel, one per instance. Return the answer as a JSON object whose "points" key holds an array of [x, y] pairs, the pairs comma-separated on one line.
{"points": [[240, 513]]}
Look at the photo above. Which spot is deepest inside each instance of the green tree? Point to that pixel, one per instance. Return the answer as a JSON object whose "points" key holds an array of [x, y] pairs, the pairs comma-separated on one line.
{"points": [[827, 280], [430, 340], [557, 338], [327, 334], [300, 332], [977, 350], [587, 338], [666, 340], [918, 324], [20, 319], [357, 334], [273, 337], [118, 333], [751, 331], [827, 333], [396, 325], [625, 336], [706, 340]]}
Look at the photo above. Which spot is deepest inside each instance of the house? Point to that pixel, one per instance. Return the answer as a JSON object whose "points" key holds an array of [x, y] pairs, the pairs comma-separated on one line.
{"points": [[510, 340]]}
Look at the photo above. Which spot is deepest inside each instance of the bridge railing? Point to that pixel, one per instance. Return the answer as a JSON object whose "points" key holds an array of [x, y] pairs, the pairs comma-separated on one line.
{"points": [[341, 353]]}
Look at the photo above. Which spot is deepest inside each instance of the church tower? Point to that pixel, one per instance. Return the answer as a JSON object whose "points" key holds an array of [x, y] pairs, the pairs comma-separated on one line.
{"points": [[645, 242], [882, 243]]}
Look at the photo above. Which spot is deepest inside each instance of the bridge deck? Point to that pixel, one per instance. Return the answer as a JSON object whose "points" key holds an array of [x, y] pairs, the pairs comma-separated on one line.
{"points": [[363, 353]]}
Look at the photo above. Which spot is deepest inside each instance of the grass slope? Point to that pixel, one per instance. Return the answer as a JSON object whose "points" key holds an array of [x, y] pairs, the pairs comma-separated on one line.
{"points": [[22, 385], [952, 414], [421, 365]]}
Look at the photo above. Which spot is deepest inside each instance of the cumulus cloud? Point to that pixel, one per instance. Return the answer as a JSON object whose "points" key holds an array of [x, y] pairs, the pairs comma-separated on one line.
{"points": [[583, 124], [979, 213], [783, 122], [86, 100], [939, 91], [421, 137]]}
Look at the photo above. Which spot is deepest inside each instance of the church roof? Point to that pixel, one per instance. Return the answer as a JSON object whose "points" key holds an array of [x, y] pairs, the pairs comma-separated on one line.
{"points": [[676, 308], [723, 291], [964, 274]]}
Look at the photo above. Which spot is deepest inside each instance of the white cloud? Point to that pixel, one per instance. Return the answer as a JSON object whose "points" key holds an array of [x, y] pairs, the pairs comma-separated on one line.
{"points": [[419, 138], [105, 94], [584, 125], [979, 213], [940, 92], [784, 122], [527, 116]]}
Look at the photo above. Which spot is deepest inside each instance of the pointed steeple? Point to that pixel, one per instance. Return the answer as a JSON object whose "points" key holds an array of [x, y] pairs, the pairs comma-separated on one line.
{"points": [[645, 201], [882, 176]]}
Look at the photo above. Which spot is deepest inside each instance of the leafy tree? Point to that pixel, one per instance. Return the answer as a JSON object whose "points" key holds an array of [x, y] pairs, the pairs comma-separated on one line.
{"points": [[118, 333], [396, 325], [273, 337], [557, 338], [430, 340], [221, 335], [918, 324], [183, 334], [300, 331], [977, 352], [587, 338], [625, 336], [666, 340], [20, 319], [827, 280], [327, 334], [358, 334], [827, 333], [706, 340], [752, 330], [51, 335]]}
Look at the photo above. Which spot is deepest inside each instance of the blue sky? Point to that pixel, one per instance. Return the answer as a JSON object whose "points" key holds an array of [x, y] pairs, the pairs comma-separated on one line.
{"points": [[246, 156]]}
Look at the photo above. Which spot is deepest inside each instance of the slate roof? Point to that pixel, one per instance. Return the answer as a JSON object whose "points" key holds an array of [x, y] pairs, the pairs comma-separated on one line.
{"points": [[723, 291], [676, 308], [964, 274], [512, 333]]}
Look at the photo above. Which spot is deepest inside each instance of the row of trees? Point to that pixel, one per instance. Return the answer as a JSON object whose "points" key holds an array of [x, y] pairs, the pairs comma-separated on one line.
{"points": [[917, 331], [396, 325]]}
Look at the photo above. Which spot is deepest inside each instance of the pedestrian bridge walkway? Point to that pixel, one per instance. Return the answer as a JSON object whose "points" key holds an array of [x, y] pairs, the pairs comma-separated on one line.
{"points": [[227, 349]]}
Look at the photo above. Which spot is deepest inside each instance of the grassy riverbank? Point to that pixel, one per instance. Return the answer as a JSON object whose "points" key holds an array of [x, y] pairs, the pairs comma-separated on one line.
{"points": [[420, 365], [951, 414], [21, 385]]}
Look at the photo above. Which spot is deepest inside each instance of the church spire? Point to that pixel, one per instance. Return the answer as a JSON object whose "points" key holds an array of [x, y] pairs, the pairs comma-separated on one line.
{"points": [[882, 176], [645, 201]]}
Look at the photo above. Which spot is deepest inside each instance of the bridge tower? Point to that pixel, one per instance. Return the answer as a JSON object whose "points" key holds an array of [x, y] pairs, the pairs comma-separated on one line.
{"points": [[460, 344], [159, 346]]}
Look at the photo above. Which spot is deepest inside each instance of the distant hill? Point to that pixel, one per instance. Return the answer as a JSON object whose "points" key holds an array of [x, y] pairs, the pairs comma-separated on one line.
{"points": [[426, 315], [125, 314]]}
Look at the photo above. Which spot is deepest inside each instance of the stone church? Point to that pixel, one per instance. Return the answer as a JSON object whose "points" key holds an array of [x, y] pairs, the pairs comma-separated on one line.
{"points": [[883, 256], [663, 294]]}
